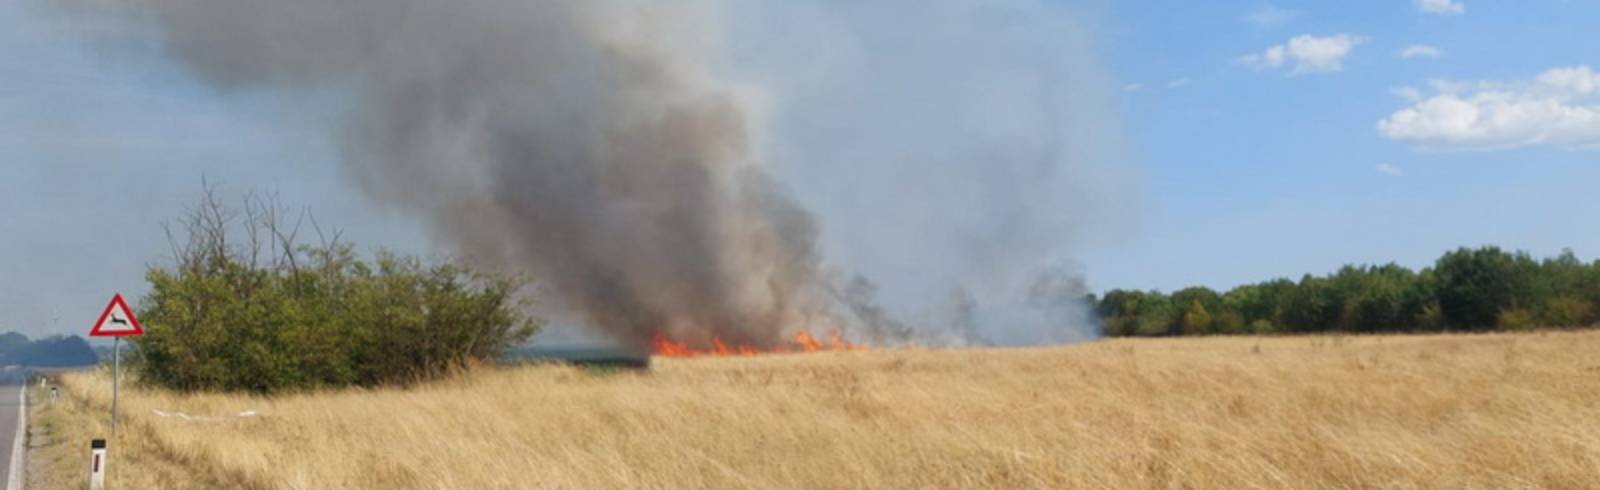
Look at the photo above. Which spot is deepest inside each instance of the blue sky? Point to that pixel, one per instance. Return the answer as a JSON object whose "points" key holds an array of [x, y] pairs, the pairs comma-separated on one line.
{"points": [[1267, 139], [1254, 172], [100, 146]]}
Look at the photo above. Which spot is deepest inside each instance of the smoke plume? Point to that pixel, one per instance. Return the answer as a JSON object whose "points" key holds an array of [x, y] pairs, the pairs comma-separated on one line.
{"points": [[955, 152], [638, 157]]}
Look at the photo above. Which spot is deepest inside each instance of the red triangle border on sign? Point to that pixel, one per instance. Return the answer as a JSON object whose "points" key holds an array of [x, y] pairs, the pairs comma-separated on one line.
{"points": [[115, 302]]}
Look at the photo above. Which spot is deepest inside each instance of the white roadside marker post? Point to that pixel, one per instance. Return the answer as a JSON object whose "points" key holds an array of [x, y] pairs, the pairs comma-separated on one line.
{"points": [[97, 464]]}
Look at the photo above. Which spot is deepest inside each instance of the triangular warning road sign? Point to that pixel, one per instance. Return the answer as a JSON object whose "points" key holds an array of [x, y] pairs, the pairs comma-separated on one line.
{"points": [[117, 321]]}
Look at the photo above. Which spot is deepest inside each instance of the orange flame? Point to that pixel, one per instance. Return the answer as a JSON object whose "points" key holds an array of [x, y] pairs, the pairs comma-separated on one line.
{"points": [[803, 341], [806, 341]]}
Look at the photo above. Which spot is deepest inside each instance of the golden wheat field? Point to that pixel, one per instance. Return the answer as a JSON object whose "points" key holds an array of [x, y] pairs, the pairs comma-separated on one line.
{"points": [[1492, 411]]}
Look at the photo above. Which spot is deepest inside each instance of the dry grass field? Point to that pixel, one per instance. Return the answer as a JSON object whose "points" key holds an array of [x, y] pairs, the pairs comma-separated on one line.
{"points": [[1496, 411]]}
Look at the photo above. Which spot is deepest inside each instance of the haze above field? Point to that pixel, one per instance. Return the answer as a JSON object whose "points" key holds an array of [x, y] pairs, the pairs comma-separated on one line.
{"points": [[1248, 141]]}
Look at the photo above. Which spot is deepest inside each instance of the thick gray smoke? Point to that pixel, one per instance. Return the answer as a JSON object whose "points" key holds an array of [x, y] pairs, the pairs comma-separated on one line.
{"points": [[622, 151], [956, 153]]}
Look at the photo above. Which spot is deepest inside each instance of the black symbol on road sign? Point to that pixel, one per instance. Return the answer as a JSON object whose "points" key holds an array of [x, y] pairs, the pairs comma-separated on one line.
{"points": [[118, 321]]}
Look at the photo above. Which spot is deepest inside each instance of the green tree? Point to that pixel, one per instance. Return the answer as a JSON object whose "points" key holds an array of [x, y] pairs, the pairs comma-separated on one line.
{"points": [[1561, 290], [1158, 317], [1312, 306], [1257, 302], [1568, 311], [1207, 297], [1381, 300], [1119, 311], [1229, 322], [1196, 320], [1475, 285]]}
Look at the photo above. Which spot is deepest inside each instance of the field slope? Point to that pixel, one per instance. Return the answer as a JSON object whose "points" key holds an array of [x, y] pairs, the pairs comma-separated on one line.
{"points": [[1479, 411]]}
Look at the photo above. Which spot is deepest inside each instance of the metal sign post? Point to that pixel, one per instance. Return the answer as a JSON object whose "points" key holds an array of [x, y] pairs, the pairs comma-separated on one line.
{"points": [[116, 377]]}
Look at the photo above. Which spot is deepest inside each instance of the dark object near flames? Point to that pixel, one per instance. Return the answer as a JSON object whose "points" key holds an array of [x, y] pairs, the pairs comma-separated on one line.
{"points": [[581, 356]]}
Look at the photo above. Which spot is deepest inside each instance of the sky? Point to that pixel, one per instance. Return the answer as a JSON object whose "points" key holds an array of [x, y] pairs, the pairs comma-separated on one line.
{"points": [[1265, 140], [1276, 139]]}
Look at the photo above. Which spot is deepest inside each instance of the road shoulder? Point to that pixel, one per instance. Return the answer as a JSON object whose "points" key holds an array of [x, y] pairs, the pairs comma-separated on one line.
{"points": [[17, 467]]}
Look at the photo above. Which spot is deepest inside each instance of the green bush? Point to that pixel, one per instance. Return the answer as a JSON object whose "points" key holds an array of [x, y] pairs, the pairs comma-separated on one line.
{"points": [[222, 318], [1263, 327], [1229, 323], [1156, 323], [1516, 319], [1196, 321], [1569, 311], [1431, 317]]}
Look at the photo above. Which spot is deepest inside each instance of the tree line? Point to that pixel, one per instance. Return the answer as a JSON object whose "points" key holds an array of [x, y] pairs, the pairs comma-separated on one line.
{"points": [[1467, 289], [53, 351]]}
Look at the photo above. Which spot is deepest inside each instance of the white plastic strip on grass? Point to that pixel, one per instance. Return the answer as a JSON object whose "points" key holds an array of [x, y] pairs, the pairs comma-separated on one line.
{"points": [[193, 418]]}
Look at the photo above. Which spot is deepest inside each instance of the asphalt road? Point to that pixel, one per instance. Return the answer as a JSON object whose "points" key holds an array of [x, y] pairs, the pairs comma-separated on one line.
{"points": [[11, 385]]}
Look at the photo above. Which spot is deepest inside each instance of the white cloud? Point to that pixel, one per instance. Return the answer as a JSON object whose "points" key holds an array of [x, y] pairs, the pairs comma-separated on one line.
{"points": [[1457, 87], [1270, 16], [1561, 107], [1309, 54], [1132, 87], [1420, 51], [1178, 82], [1578, 79], [1385, 168], [1410, 94], [1441, 7]]}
